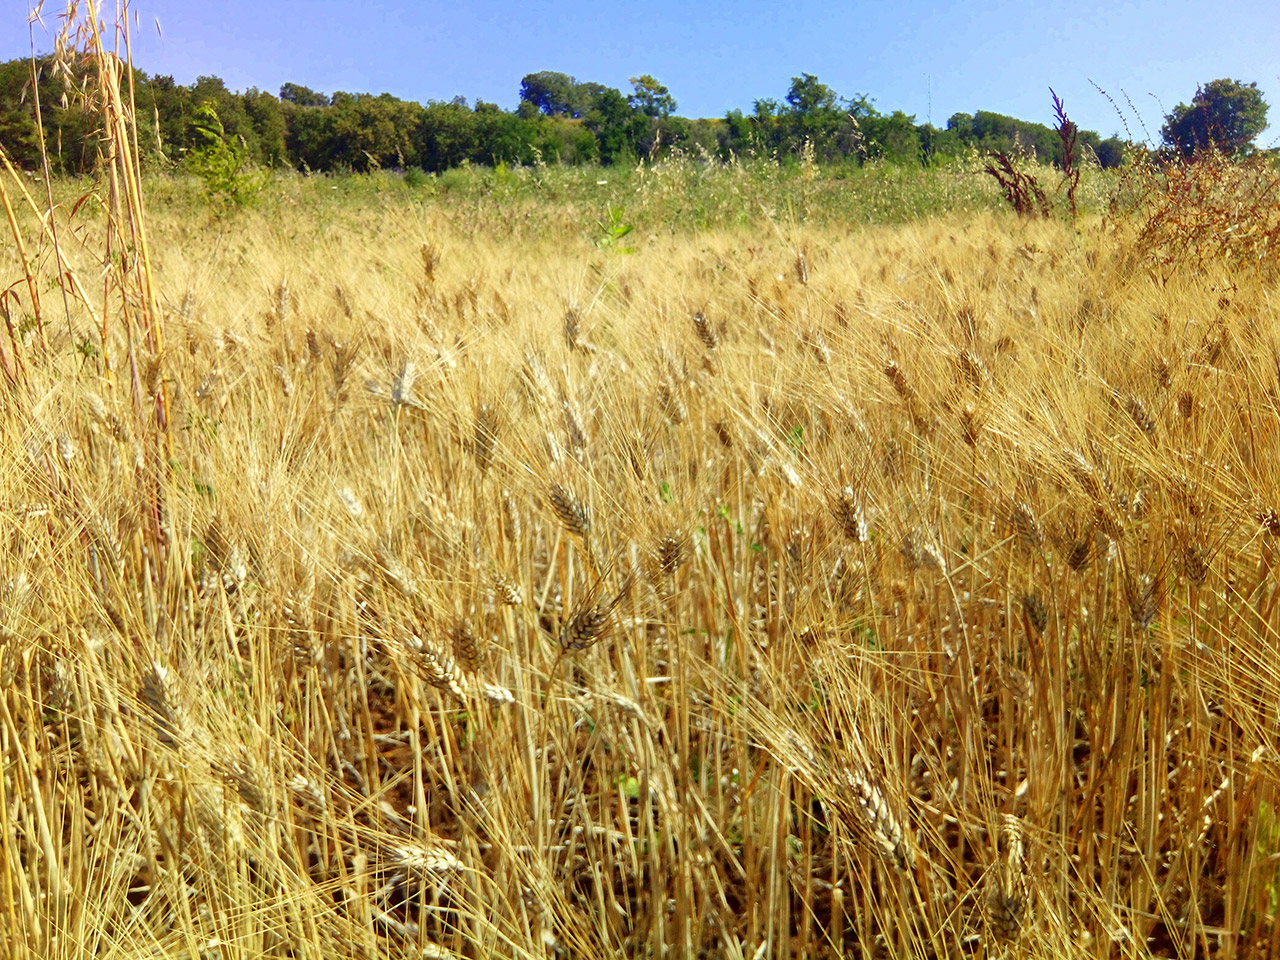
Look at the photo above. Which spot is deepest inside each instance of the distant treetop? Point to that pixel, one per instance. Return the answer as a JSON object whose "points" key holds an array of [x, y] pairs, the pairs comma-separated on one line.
{"points": [[1225, 114]]}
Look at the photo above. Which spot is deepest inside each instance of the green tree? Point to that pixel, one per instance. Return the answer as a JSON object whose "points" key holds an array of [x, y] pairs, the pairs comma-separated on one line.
{"points": [[222, 162], [812, 114], [555, 94], [612, 120], [650, 97], [1226, 114], [302, 96], [1110, 153], [808, 97]]}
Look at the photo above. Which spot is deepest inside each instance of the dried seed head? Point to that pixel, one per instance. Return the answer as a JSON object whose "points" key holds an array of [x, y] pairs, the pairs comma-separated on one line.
{"points": [[437, 667], [1079, 553], [485, 439], [506, 589], [402, 386], [846, 507], [511, 526], [97, 407], [973, 370], [592, 618], [66, 449], [638, 456], [802, 268], [573, 428], [671, 552], [876, 820], [1037, 615], [1186, 404], [723, 434], [313, 346], [153, 375], [901, 385], [283, 301], [1194, 564], [466, 650], [1141, 417], [817, 344], [919, 551], [1160, 372], [1144, 596], [351, 502], [424, 861], [1008, 890], [672, 406], [971, 425], [572, 327], [1025, 525], [570, 511], [706, 333]]}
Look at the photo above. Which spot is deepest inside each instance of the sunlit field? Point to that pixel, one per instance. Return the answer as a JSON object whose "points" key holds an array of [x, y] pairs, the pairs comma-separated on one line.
{"points": [[829, 565]]}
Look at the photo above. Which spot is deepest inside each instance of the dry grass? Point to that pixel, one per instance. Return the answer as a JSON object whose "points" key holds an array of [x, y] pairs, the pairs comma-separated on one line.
{"points": [[771, 592]]}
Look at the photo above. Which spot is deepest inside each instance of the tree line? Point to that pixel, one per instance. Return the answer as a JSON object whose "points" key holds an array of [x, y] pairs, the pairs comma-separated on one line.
{"points": [[558, 120]]}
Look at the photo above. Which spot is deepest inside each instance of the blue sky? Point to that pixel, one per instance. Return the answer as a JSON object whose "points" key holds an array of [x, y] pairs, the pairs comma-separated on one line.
{"points": [[931, 58]]}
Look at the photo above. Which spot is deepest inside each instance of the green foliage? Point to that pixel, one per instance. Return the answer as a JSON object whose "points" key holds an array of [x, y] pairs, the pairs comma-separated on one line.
{"points": [[1225, 115], [558, 120], [222, 163], [1111, 153], [612, 229], [650, 97], [555, 94], [302, 96]]}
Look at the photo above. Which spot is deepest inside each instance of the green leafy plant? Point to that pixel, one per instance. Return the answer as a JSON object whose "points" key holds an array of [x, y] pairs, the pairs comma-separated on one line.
{"points": [[222, 164], [612, 229]]}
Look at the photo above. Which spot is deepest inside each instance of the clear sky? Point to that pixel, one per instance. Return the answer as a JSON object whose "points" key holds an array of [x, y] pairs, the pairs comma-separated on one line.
{"points": [[930, 58]]}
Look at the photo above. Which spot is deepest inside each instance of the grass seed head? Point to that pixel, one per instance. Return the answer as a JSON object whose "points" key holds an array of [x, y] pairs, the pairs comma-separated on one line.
{"points": [[570, 511]]}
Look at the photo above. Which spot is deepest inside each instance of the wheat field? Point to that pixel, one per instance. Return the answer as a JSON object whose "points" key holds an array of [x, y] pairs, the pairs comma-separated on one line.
{"points": [[420, 579]]}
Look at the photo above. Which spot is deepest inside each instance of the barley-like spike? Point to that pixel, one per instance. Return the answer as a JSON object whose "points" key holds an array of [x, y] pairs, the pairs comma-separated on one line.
{"points": [[428, 860], [506, 589], [1024, 523], [466, 649], [1008, 892], [572, 327], [592, 619], [573, 428], [1138, 412], [437, 667], [817, 345], [283, 302], [971, 425], [671, 550], [511, 525], [638, 456], [485, 439], [672, 406], [570, 511], [1194, 564], [1037, 615], [706, 333], [973, 370], [849, 515], [866, 801], [901, 385]]}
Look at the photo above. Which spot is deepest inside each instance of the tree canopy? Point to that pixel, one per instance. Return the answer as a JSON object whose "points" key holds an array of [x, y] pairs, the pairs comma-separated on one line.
{"points": [[1224, 114], [558, 119]]}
